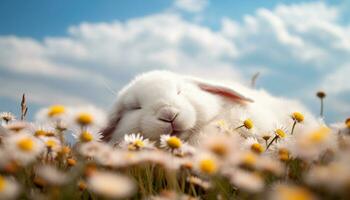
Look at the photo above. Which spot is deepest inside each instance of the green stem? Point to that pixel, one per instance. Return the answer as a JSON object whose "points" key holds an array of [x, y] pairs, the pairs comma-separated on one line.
{"points": [[239, 127], [295, 122], [275, 138], [321, 110]]}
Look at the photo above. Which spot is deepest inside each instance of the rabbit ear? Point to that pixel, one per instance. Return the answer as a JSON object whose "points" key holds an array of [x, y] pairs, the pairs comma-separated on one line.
{"points": [[222, 91], [107, 132]]}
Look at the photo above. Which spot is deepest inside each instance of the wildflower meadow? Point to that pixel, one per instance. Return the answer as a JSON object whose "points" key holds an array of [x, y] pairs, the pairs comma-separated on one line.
{"points": [[61, 156]]}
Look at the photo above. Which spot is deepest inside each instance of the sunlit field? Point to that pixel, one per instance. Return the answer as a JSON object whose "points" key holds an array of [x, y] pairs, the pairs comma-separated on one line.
{"points": [[40, 160]]}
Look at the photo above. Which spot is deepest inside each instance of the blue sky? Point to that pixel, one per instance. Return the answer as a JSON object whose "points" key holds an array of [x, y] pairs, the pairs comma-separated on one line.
{"points": [[71, 52]]}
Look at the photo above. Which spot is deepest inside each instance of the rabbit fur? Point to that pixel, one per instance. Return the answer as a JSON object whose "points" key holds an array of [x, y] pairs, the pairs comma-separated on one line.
{"points": [[163, 102]]}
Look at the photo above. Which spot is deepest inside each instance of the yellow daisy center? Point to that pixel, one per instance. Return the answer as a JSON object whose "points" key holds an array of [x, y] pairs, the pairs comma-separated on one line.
{"points": [[85, 136], [56, 110], [297, 116], [82, 185], [65, 150], [319, 135], [249, 159], [51, 143], [26, 144], [256, 147], [208, 166], [39, 133], [291, 193], [219, 149], [84, 119], [280, 133], [283, 154], [2, 183], [174, 142], [139, 143], [248, 123], [71, 162], [347, 123]]}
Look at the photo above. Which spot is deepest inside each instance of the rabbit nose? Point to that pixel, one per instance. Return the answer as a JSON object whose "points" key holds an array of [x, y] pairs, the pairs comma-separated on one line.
{"points": [[167, 114]]}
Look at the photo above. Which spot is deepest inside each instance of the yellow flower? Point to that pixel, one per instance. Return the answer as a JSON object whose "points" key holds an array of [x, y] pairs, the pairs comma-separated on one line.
{"points": [[256, 147], [51, 143], [218, 149], [249, 159], [82, 185], [294, 193], [208, 166], [319, 135], [248, 123], [84, 119], [347, 123], [71, 161], [283, 154], [174, 142], [298, 117], [2, 183], [56, 110], [65, 150], [85, 136], [26, 144], [280, 133], [137, 144], [39, 132]]}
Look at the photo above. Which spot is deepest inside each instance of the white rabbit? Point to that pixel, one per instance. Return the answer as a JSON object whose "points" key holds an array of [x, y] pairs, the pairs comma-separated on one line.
{"points": [[163, 102]]}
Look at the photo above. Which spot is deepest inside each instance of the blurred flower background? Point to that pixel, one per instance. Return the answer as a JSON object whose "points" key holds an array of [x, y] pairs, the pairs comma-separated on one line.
{"points": [[71, 58], [78, 52]]}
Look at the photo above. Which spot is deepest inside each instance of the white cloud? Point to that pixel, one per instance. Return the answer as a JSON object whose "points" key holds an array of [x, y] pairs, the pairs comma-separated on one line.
{"points": [[95, 53], [337, 81], [191, 5], [308, 33], [294, 43], [37, 93]]}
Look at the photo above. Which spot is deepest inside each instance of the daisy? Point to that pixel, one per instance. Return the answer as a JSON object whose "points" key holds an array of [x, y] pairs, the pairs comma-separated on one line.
{"points": [[280, 132], [342, 128], [51, 175], [198, 181], [87, 135], [42, 130], [23, 147], [52, 113], [266, 136], [52, 144], [92, 149], [244, 124], [110, 185], [312, 144], [253, 144], [9, 188], [171, 143], [287, 191], [269, 165], [206, 163], [17, 126], [297, 118], [135, 142], [248, 181], [88, 116], [248, 159], [320, 176], [221, 145], [7, 117]]}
